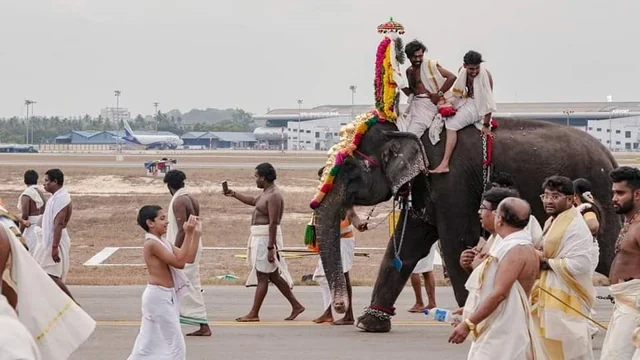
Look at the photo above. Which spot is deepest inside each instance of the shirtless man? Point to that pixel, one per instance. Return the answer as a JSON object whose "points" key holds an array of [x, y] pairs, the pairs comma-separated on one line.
{"points": [[183, 204], [428, 84], [265, 241], [31, 205], [501, 311], [53, 255], [625, 269]]}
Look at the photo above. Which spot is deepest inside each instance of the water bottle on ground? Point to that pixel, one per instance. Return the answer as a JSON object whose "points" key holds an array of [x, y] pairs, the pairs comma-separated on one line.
{"points": [[442, 315]]}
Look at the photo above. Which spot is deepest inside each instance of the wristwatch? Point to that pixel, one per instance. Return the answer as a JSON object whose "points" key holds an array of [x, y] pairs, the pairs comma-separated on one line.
{"points": [[472, 327], [440, 93]]}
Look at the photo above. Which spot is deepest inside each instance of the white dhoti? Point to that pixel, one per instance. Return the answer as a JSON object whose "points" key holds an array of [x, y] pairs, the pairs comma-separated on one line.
{"points": [[258, 255], [426, 263], [508, 333], [347, 250], [419, 116], [58, 201], [192, 308], [618, 343], [15, 340], [160, 337], [466, 114], [33, 234], [54, 320]]}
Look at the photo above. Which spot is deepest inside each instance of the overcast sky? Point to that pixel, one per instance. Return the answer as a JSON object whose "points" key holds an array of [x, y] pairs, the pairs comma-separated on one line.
{"points": [[69, 55]]}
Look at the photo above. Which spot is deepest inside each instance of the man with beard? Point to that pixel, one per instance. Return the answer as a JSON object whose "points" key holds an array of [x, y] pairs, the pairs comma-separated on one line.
{"points": [[566, 273], [429, 84], [625, 270], [473, 99], [264, 243]]}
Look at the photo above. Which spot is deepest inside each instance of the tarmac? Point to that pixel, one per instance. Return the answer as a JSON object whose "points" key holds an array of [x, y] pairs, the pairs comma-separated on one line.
{"points": [[117, 312]]}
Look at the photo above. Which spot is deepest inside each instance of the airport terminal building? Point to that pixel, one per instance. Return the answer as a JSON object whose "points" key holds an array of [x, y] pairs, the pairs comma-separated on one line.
{"points": [[318, 128]]}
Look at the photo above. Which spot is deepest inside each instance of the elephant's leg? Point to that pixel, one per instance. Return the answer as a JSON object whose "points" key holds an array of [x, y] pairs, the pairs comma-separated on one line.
{"points": [[418, 238]]}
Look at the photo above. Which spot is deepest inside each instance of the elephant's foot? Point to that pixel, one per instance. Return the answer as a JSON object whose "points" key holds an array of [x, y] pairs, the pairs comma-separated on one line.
{"points": [[375, 319]]}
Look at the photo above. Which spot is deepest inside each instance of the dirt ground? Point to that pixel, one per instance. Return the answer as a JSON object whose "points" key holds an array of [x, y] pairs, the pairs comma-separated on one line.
{"points": [[106, 201]]}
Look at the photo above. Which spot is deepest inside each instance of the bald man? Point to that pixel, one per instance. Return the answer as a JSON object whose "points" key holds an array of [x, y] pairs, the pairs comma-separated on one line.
{"points": [[497, 310]]}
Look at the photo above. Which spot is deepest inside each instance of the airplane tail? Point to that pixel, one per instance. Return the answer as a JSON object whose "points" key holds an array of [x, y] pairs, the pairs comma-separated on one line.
{"points": [[127, 129]]}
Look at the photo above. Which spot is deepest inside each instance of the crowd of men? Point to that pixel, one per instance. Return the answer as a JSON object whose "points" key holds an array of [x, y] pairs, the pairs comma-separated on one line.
{"points": [[530, 287]]}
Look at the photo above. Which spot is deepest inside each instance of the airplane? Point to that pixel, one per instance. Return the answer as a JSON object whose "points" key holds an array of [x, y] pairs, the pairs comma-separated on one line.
{"points": [[151, 141]]}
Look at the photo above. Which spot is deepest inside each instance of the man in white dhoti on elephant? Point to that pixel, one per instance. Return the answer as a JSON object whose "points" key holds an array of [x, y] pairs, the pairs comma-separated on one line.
{"points": [[31, 205], [497, 310], [55, 322], [429, 84], [566, 274], [192, 307], [623, 336], [473, 99], [53, 253], [266, 264]]}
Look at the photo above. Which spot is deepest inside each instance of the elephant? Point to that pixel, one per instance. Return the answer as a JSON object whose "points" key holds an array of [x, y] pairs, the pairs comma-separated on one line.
{"points": [[389, 163]]}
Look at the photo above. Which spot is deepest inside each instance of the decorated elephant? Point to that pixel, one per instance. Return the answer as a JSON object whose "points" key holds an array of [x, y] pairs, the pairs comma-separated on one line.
{"points": [[377, 163]]}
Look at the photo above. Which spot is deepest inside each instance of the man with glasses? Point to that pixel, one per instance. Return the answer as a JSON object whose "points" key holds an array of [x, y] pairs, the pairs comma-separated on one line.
{"points": [[565, 285]]}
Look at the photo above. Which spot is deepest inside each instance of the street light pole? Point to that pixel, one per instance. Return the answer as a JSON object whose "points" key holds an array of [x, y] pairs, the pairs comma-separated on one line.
{"points": [[568, 113], [155, 104], [117, 115], [299, 118], [26, 121], [32, 102], [353, 93]]}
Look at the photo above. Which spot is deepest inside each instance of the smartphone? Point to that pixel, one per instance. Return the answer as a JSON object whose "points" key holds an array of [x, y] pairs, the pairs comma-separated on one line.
{"points": [[225, 188]]}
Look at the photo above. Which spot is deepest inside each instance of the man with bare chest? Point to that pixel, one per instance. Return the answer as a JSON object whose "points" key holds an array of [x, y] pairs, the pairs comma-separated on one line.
{"points": [[264, 242], [31, 205], [429, 83], [625, 270]]}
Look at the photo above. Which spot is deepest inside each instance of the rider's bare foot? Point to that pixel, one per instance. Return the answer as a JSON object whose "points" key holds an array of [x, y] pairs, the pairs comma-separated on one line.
{"points": [[248, 318], [417, 308], [441, 169], [295, 312], [344, 321], [205, 330]]}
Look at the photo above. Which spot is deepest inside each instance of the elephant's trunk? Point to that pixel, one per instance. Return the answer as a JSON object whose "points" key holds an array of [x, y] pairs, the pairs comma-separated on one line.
{"points": [[328, 237]]}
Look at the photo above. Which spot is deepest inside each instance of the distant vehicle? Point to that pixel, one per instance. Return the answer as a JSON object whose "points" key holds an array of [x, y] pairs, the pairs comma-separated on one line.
{"points": [[159, 167], [151, 141], [18, 148]]}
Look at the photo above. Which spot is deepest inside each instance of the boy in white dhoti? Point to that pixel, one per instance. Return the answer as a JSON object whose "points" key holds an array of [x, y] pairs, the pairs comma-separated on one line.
{"points": [[566, 269], [56, 323], [473, 99], [497, 311], [429, 83], [53, 253], [266, 264], [160, 337], [192, 307], [623, 336], [31, 205], [424, 267]]}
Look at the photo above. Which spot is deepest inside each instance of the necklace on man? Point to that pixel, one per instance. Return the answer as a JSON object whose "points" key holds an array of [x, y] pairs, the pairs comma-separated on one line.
{"points": [[624, 231]]}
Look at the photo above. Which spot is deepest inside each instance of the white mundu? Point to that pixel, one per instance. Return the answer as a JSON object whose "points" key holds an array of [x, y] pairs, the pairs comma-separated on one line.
{"points": [[58, 201], [160, 336], [15, 340], [422, 114], [58, 325], [426, 263], [33, 232], [567, 246], [618, 343], [258, 255], [471, 110], [192, 307], [508, 333]]}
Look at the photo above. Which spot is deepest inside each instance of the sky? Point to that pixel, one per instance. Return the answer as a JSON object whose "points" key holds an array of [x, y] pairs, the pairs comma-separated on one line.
{"points": [[70, 55]]}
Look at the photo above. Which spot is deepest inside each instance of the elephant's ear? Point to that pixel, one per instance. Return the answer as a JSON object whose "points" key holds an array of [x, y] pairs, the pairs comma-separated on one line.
{"points": [[403, 158]]}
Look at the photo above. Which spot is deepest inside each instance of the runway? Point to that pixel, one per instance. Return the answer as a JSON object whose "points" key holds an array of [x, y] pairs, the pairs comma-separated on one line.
{"points": [[117, 311]]}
